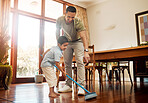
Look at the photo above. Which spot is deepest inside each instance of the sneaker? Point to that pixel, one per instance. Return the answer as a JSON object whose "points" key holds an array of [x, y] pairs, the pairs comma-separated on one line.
{"points": [[65, 89], [81, 92]]}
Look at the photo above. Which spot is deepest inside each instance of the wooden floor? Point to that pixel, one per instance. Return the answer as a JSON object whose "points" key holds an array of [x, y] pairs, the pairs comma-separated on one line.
{"points": [[38, 93]]}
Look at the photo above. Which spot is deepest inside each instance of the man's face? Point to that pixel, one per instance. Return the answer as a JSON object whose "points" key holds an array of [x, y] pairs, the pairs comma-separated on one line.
{"points": [[69, 17]]}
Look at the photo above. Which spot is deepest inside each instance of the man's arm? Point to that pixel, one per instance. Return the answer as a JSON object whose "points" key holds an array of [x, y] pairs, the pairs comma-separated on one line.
{"points": [[57, 29], [85, 43], [57, 33]]}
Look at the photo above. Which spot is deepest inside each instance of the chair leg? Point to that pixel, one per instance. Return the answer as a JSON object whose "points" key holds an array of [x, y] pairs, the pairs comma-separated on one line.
{"points": [[119, 76], [108, 75], [100, 77], [113, 75], [129, 75], [123, 75], [89, 76], [92, 79], [57, 74], [86, 75]]}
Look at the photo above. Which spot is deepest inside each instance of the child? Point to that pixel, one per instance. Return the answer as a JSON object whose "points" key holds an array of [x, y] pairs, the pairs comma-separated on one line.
{"points": [[51, 58]]}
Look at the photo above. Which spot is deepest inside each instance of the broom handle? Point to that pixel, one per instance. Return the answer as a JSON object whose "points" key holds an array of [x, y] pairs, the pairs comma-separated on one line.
{"points": [[77, 83], [74, 81]]}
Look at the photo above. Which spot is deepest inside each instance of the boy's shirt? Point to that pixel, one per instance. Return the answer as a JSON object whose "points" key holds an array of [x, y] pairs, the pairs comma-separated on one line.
{"points": [[52, 56]]}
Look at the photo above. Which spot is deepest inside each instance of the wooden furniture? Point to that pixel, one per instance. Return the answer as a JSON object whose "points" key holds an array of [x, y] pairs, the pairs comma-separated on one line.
{"points": [[135, 54], [121, 67], [90, 68], [100, 68]]}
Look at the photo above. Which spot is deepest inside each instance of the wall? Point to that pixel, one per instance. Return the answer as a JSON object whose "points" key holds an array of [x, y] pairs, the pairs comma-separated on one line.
{"points": [[112, 23]]}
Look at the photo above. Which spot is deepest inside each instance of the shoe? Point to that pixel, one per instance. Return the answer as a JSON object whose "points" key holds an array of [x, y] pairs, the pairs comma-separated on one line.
{"points": [[81, 92], [65, 89]]}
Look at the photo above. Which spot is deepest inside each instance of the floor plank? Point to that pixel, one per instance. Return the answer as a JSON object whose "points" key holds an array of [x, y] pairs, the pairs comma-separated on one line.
{"points": [[38, 93]]}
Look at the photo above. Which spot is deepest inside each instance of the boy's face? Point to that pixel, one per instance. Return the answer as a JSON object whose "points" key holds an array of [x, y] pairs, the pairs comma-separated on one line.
{"points": [[69, 17], [63, 46]]}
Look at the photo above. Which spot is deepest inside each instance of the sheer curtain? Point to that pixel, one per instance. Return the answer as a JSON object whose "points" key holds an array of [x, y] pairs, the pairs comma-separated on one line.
{"points": [[81, 13], [4, 14]]}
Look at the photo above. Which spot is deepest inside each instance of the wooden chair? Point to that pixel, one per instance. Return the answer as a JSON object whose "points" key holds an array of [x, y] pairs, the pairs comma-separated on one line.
{"points": [[100, 67], [90, 68], [122, 65]]}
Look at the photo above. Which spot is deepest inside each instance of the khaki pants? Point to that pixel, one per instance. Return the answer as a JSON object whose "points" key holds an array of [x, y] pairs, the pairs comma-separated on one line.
{"points": [[50, 76], [78, 49]]}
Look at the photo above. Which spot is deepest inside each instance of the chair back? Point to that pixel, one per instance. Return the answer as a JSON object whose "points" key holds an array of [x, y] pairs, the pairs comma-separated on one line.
{"points": [[45, 53], [92, 55]]}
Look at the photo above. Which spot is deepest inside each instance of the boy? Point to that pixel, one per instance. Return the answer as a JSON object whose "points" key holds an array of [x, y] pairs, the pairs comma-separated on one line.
{"points": [[51, 58]]}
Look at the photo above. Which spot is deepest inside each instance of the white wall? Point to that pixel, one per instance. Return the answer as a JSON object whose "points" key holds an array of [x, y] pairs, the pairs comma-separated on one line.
{"points": [[112, 23]]}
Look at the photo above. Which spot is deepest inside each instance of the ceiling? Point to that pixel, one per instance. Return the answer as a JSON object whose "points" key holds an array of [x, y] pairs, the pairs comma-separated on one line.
{"points": [[85, 3]]}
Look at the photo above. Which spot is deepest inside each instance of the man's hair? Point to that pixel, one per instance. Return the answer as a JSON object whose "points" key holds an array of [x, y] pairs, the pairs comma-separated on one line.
{"points": [[71, 9], [62, 40]]}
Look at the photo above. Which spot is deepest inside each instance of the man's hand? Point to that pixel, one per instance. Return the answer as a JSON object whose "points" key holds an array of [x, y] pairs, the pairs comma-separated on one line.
{"points": [[86, 57]]}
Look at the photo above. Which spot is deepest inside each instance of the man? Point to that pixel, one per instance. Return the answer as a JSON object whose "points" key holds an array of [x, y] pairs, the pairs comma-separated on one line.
{"points": [[75, 32]]}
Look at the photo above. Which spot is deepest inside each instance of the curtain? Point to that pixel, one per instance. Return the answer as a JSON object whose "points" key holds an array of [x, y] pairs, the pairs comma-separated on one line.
{"points": [[4, 13], [81, 13], [4, 29]]}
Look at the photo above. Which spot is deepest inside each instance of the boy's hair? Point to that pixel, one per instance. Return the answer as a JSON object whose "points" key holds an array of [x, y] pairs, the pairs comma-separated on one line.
{"points": [[71, 9], [62, 40]]}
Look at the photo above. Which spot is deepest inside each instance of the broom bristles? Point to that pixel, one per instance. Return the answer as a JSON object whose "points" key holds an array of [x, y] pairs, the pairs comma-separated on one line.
{"points": [[90, 95]]}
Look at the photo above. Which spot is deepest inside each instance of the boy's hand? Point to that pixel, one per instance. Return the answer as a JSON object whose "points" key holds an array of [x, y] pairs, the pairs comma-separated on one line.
{"points": [[65, 74]]}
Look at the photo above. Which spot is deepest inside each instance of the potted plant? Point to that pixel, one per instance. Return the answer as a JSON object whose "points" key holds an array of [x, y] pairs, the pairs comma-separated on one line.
{"points": [[4, 38], [5, 68]]}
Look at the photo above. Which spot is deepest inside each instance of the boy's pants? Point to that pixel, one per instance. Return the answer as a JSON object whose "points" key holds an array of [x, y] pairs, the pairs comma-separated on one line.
{"points": [[50, 76], [78, 49]]}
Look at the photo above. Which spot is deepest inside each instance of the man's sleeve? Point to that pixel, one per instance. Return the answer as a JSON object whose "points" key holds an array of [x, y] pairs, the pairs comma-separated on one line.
{"points": [[79, 25]]}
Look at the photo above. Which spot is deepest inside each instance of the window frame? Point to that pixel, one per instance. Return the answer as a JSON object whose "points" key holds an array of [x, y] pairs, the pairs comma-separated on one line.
{"points": [[16, 12]]}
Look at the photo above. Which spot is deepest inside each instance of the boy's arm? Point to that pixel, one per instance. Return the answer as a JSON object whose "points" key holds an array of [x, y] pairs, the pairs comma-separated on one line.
{"points": [[60, 68]]}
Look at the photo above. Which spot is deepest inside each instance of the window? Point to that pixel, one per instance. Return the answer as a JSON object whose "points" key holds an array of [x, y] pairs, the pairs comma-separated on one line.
{"points": [[49, 35], [53, 9], [12, 3], [31, 29], [28, 46], [33, 6]]}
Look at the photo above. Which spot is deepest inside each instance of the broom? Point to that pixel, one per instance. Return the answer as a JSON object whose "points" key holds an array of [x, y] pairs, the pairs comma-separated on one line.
{"points": [[89, 95]]}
